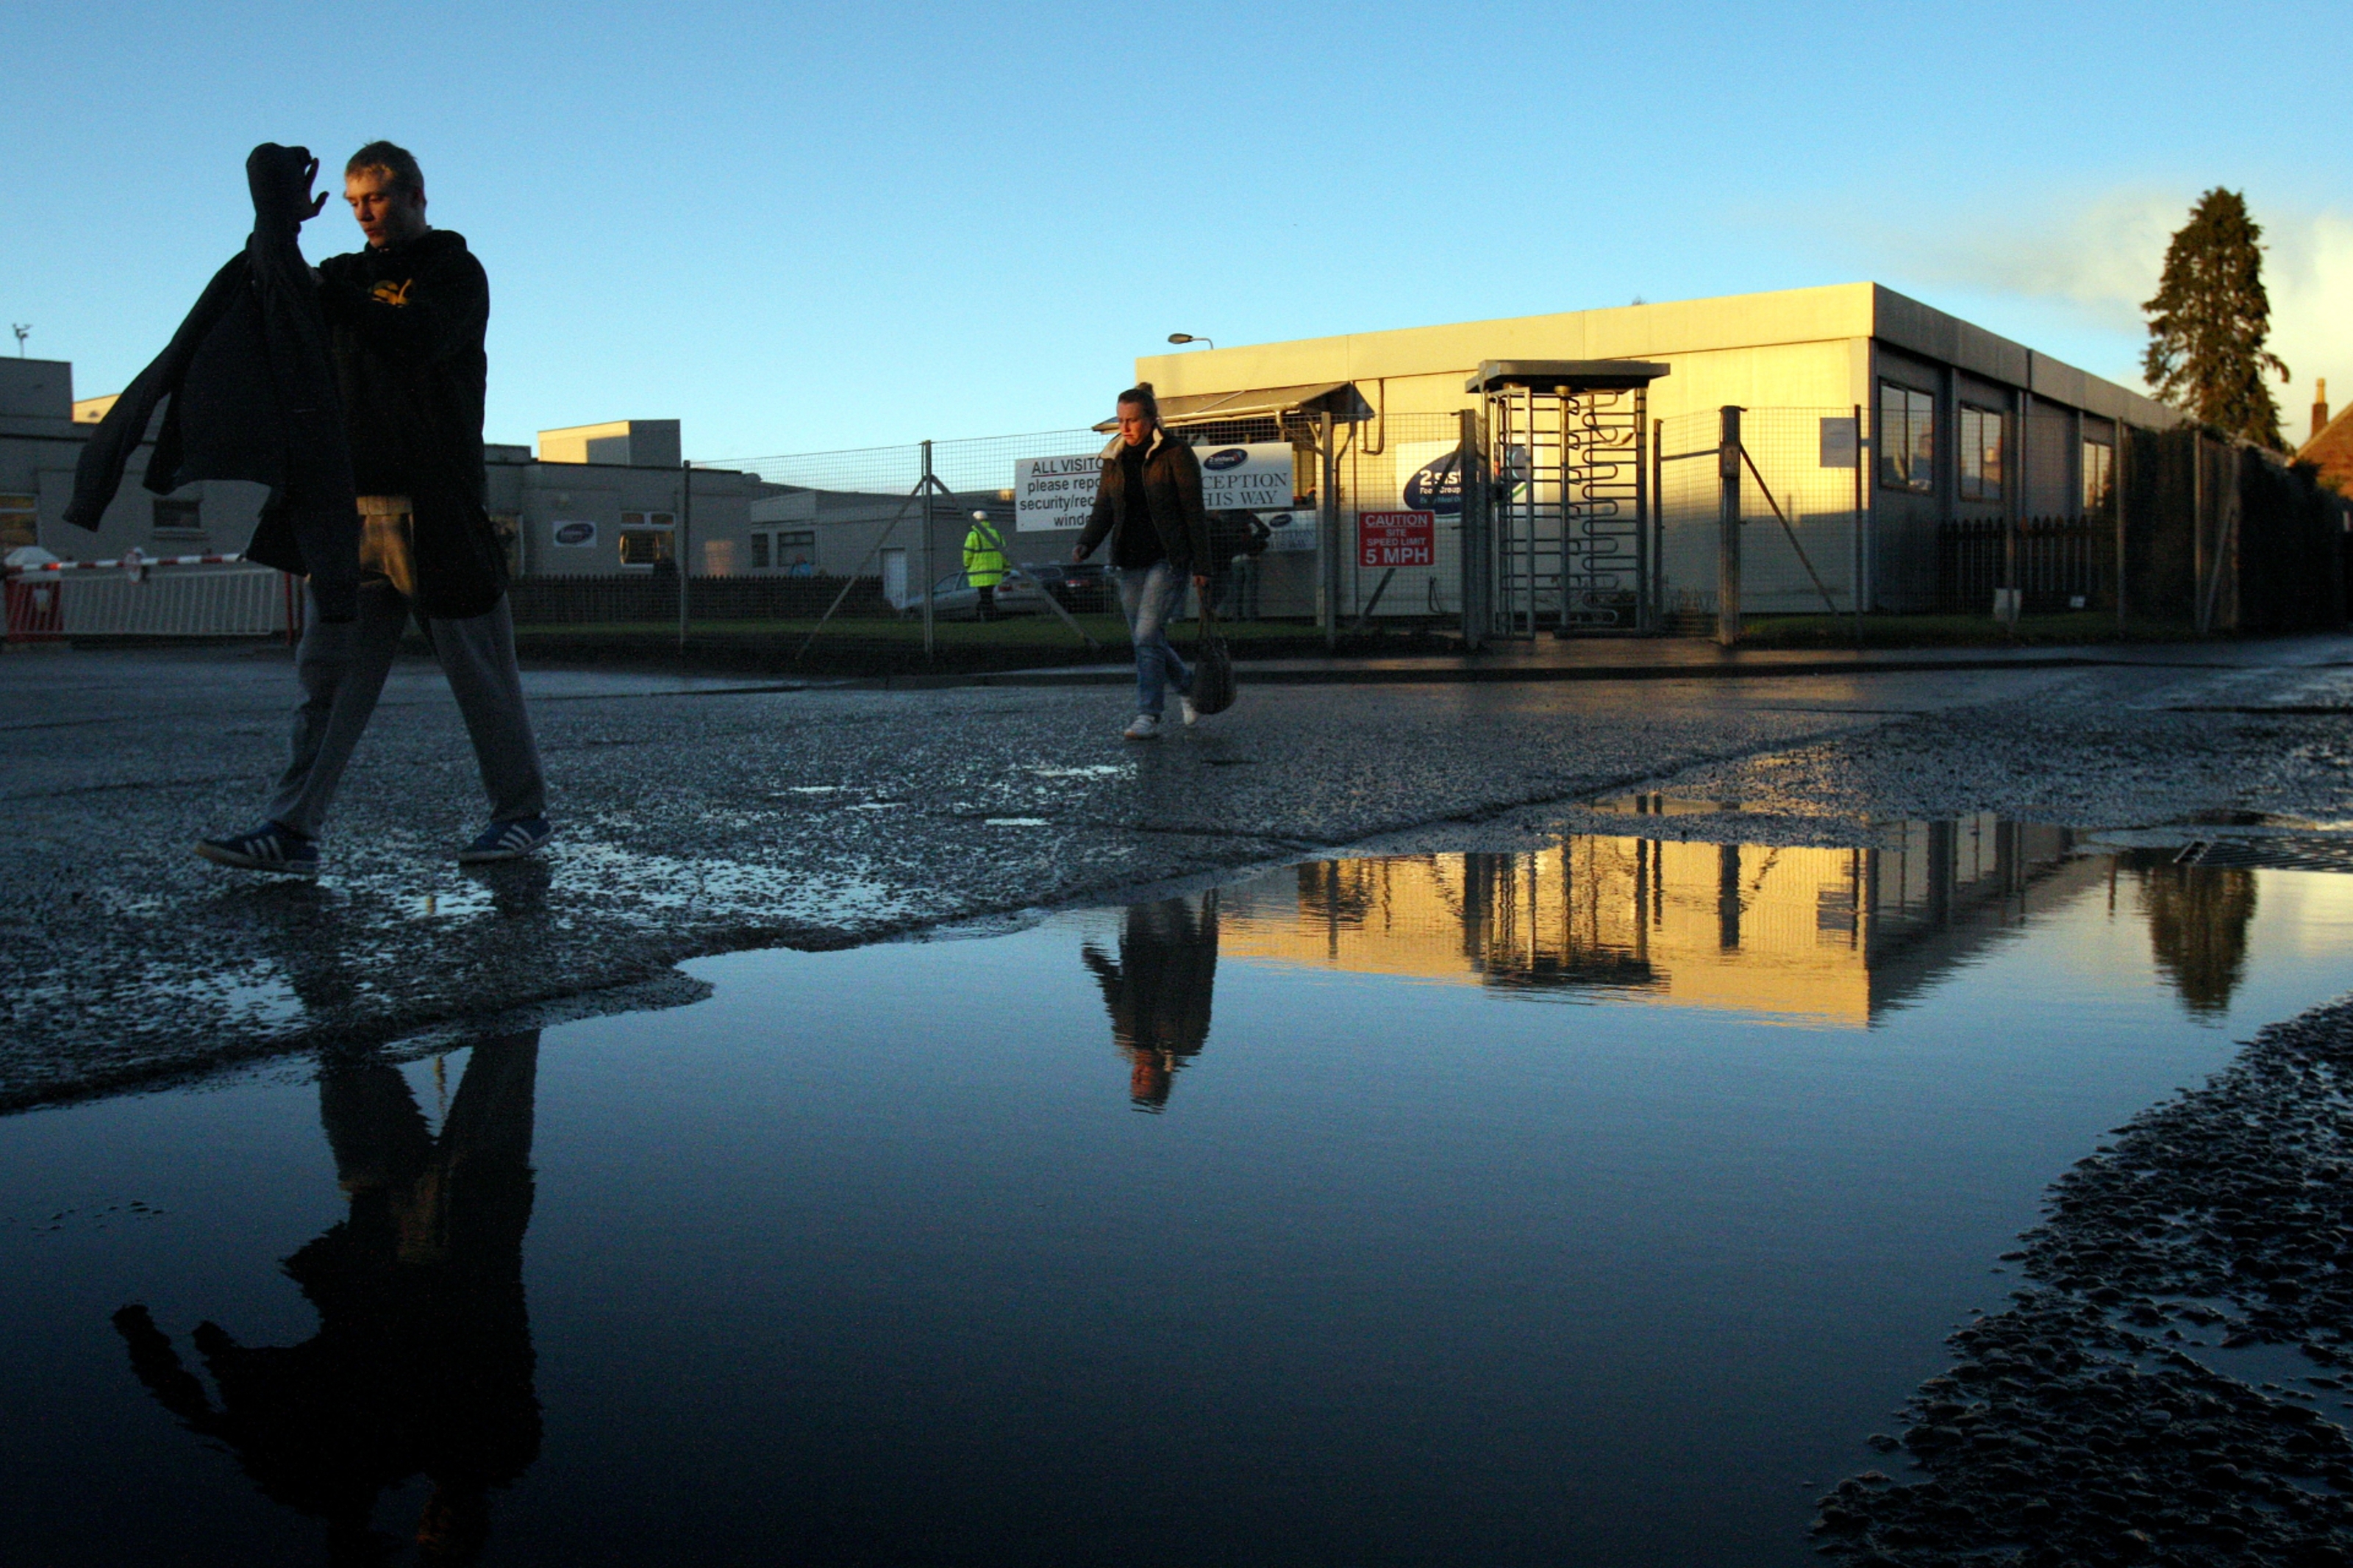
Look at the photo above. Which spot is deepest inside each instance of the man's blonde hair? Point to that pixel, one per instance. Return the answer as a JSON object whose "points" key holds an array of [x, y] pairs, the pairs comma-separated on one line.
{"points": [[395, 163]]}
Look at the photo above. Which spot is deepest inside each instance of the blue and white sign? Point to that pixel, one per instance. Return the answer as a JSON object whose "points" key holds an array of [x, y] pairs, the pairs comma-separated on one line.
{"points": [[1289, 531], [1255, 477], [1432, 477], [578, 535]]}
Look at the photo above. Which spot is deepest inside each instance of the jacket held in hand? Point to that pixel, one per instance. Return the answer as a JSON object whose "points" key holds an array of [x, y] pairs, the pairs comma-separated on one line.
{"points": [[251, 396]]}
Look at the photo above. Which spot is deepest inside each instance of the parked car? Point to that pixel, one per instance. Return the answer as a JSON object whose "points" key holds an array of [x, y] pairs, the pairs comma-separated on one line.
{"points": [[1084, 588], [954, 598]]}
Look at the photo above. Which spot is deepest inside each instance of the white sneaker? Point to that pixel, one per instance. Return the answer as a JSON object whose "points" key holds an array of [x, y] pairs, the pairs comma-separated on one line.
{"points": [[1192, 714], [1145, 726]]}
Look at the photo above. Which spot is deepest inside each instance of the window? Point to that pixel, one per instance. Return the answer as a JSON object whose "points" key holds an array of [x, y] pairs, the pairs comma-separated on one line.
{"points": [[1981, 454], [179, 517], [644, 546], [1907, 438], [2099, 476], [19, 522], [759, 552]]}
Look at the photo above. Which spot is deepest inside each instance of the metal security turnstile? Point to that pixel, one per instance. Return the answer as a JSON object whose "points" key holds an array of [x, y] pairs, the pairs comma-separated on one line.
{"points": [[1572, 539]]}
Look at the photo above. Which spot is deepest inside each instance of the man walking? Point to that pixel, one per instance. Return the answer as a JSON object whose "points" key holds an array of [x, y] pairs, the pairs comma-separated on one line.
{"points": [[407, 313]]}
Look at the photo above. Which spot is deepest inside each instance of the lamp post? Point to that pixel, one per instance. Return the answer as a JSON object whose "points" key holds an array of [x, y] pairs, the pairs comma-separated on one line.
{"points": [[1189, 338], [25, 329]]}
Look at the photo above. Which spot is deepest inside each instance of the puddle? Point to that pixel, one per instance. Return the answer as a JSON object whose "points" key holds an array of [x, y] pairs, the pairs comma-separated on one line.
{"points": [[1582, 1205]]}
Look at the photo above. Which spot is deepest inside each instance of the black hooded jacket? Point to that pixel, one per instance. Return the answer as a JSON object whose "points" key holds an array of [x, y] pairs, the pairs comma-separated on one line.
{"points": [[252, 395], [407, 322]]}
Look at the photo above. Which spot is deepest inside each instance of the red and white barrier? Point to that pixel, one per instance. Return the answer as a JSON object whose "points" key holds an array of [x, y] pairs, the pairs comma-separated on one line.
{"points": [[223, 596]]}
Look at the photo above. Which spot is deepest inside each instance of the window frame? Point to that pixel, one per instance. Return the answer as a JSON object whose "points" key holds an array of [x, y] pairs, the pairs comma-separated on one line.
{"points": [[19, 511], [1903, 465], [1969, 479], [2105, 501], [664, 540], [163, 507]]}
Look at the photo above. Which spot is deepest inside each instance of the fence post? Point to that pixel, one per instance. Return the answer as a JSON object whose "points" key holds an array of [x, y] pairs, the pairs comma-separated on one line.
{"points": [[1471, 463], [1327, 533], [1728, 545], [1861, 527], [930, 573], [685, 544], [1659, 521], [2196, 526], [2117, 470]]}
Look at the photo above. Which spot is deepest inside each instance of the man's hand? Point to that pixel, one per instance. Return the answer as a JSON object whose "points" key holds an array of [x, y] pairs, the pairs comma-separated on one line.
{"points": [[1078, 553], [1200, 580]]}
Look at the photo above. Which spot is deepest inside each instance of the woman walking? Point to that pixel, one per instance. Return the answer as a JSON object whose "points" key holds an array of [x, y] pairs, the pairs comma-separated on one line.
{"points": [[1149, 501]]}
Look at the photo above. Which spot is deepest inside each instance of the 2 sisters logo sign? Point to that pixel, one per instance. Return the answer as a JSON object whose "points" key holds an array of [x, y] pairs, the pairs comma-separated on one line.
{"points": [[1232, 457], [1437, 486]]}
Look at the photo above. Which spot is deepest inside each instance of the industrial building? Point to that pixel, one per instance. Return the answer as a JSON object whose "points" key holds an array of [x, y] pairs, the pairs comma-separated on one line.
{"points": [[1874, 424]]}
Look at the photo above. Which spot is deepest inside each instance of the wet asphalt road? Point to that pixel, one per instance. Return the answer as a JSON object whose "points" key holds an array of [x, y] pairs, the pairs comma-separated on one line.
{"points": [[694, 816]]}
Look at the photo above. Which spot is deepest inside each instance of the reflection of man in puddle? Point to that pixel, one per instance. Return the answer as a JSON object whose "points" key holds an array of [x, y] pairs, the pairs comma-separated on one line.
{"points": [[422, 1364], [1158, 991]]}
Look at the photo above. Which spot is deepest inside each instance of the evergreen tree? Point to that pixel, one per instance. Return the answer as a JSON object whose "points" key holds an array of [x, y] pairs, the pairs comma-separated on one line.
{"points": [[2208, 320]]}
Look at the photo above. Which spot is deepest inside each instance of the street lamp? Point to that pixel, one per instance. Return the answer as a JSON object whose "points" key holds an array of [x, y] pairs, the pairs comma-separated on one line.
{"points": [[1189, 338]]}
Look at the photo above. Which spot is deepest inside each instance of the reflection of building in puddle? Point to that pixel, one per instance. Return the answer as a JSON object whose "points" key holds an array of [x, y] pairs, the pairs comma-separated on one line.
{"points": [[1811, 933]]}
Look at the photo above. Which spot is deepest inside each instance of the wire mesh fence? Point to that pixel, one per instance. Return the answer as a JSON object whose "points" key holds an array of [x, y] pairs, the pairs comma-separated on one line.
{"points": [[1399, 535], [1804, 511], [2055, 563], [1374, 530]]}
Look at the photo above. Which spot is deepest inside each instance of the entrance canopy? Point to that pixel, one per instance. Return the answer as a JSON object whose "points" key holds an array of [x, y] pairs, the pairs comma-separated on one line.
{"points": [[1566, 374], [1339, 398]]}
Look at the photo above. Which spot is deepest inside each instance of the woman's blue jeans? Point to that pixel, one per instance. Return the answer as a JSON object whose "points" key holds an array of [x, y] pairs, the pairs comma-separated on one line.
{"points": [[1149, 597]]}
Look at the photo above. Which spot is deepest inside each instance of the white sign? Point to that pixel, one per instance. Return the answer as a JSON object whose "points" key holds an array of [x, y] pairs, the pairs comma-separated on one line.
{"points": [[1429, 477], [1059, 492], [1289, 531], [1839, 443], [1054, 492], [1257, 477]]}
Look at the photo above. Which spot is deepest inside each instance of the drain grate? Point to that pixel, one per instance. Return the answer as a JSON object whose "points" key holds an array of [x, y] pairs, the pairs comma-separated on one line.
{"points": [[2281, 853]]}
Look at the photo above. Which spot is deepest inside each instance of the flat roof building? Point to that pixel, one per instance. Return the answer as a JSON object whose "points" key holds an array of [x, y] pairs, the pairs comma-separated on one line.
{"points": [[1958, 423]]}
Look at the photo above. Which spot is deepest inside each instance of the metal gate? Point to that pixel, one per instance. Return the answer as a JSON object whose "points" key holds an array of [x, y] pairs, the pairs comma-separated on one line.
{"points": [[1573, 522]]}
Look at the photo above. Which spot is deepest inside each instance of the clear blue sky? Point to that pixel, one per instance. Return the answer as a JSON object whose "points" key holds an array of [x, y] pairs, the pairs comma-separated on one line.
{"points": [[799, 227]]}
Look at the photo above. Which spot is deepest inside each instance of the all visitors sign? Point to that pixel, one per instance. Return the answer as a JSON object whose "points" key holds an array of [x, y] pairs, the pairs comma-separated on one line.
{"points": [[1397, 539], [1054, 492], [1059, 492]]}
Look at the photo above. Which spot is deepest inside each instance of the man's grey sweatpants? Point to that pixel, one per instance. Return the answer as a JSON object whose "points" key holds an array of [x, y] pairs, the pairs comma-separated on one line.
{"points": [[342, 668]]}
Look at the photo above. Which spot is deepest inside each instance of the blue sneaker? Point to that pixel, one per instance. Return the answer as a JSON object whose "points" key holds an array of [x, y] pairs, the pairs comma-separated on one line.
{"points": [[272, 847], [507, 841]]}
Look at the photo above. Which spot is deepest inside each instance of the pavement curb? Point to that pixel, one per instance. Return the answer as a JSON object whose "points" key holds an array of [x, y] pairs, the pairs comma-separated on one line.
{"points": [[1467, 673]]}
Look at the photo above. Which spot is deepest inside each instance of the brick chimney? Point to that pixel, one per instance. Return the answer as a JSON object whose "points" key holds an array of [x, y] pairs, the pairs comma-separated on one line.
{"points": [[2319, 405]]}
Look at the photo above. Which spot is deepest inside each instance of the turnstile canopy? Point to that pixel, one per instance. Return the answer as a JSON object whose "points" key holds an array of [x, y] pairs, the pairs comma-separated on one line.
{"points": [[1575, 374]]}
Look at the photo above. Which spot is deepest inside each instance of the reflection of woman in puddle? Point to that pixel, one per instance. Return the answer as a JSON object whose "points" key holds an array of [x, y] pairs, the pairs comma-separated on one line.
{"points": [[1158, 991], [422, 1364]]}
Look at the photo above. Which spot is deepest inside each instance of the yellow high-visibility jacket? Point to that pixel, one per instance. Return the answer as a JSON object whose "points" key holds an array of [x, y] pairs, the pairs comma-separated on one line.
{"points": [[984, 563]]}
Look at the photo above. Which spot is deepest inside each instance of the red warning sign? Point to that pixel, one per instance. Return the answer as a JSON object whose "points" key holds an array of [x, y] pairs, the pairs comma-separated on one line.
{"points": [[1397, 539]]}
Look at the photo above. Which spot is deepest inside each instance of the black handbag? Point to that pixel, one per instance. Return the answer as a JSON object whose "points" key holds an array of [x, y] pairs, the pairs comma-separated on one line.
{"points": [[1213, 667]]}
